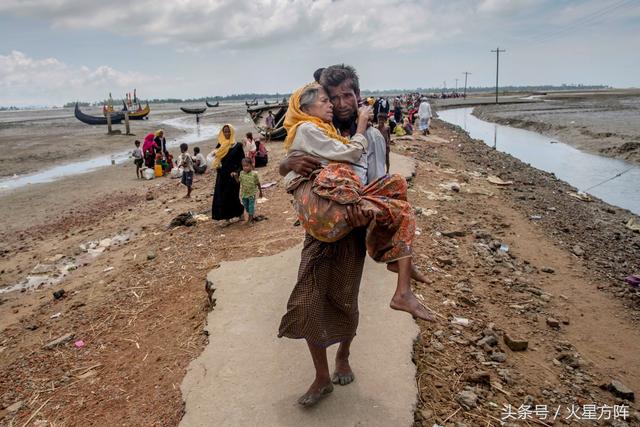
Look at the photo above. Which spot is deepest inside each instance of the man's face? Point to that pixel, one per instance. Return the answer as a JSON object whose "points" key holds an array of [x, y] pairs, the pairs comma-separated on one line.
{"points": [[344, 100]]}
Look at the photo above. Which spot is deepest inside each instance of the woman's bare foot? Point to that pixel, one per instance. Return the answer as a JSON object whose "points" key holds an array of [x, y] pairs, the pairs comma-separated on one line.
{"points": [[409, 303], [317, 391], [416, 274]]}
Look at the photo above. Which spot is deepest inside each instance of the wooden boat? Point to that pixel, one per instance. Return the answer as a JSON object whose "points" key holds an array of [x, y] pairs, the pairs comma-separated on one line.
{"points": [[259, 117], [269, 103], [252, 103], [212, 105], [97, 120], [139, 114], [193, 110]]}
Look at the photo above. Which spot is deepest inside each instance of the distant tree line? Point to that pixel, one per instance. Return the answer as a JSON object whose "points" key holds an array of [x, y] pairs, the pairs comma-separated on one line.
{"points": [[272, 96]]}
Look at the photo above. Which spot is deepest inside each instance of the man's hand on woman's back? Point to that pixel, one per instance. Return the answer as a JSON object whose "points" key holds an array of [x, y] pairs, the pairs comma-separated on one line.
{"points": [[302, 165]]}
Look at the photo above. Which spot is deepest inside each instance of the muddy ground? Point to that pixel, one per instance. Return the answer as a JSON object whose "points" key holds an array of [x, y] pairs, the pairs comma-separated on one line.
{"points": [[139, 306], [602, 123], [36, 140]]}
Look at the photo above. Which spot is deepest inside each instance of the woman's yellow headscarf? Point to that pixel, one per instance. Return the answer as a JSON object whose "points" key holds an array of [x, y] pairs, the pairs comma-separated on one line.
{"points": [[295, 117], [225, 145], [158, 132]]}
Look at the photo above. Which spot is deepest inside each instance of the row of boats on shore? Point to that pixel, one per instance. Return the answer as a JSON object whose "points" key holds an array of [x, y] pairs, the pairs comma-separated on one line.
{"points": [[258, 114]]}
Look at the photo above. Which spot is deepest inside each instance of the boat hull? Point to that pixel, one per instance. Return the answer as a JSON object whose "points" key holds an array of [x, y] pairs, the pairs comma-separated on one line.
{"points": [[95, 120]]}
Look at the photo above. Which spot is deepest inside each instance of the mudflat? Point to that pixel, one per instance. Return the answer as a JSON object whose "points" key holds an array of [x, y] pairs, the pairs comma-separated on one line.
{"points": [[600, 122]]}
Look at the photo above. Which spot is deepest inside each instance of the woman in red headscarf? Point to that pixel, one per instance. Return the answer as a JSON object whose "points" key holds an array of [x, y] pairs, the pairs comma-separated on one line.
{"points": [[149, 151]]}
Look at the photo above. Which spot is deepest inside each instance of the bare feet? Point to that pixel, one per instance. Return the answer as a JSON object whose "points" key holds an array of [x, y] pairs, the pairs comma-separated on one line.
{"points": [[416, 274], [343, 374], [317, 391], [409, 303]]}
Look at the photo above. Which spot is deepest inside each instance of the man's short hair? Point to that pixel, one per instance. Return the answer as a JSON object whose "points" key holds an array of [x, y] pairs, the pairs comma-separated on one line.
{"points": [[335, 75], [317, 74]]}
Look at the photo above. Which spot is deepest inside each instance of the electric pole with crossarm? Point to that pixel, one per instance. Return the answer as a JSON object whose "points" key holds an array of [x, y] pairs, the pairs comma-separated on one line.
{"points": [[466, 73], [497, 51]]}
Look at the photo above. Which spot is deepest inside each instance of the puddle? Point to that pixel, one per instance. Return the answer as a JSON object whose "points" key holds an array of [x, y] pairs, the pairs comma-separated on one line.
{"points": [[580, 169], [53, 270], [195, 134]]}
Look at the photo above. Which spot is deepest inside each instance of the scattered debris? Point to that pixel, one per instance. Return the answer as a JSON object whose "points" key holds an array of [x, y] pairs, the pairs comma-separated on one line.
{"points": [[620, 390], [460, 321], [515, 344], [633, 225], [185, 219], [59, 341], [467, 399], [577, 250], [151, 255], [580, 196], [553, 323], [479, 377], [633, 280], [453, 233], [497, 181], [549, 270], [58, 294]]}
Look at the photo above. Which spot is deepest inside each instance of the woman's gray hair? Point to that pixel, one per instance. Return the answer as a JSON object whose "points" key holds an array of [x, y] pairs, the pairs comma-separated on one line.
{"points": [[309, 96]]}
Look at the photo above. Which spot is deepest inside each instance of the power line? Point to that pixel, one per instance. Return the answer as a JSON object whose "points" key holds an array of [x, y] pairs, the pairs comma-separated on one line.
{"points": [[588, 19], [497, 51], [610, 179]]}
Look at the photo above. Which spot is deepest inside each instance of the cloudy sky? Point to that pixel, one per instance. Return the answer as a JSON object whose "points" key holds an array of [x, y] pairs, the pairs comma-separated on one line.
{"points": [[54, 51]]}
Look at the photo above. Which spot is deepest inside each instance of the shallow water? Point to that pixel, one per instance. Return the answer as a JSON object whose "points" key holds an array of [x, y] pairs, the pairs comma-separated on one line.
{"points": [[580, 169], [195, 134]]}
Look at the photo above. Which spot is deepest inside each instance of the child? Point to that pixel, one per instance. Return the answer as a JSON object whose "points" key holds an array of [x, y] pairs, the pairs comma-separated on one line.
{"points": [[408, 128], [186, 162], [249, 186], [201, 163], [250, 148], [321, 200], [137, 159]]}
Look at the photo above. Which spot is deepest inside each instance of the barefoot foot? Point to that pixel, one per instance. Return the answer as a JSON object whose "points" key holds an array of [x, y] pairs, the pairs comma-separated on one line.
{"points": [[343, 374], [416, 274], [409, 303], [315, 393]]}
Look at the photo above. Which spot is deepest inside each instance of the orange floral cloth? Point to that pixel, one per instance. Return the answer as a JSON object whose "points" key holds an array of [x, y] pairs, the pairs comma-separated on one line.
{"points": [[321, 205]]}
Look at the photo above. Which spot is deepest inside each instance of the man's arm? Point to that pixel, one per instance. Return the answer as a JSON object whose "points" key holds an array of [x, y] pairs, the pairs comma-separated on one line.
{"points": [[302, 165]]}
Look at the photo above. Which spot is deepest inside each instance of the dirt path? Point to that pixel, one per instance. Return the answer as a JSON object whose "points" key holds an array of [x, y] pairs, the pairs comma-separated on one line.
{"points": [[247, 376]]}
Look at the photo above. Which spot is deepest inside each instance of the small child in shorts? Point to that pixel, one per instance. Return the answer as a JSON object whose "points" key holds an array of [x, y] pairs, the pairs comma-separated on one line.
{"points": [[137, 159], [186, 162], [249, 187]]}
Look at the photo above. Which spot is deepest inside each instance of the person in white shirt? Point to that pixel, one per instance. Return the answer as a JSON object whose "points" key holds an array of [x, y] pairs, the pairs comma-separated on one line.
{"points": [[200, 165], [424, 116]]}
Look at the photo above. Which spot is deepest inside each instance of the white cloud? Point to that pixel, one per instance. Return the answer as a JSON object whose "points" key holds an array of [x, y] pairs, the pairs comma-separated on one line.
{"points": [[25, 80], [240, 24]]}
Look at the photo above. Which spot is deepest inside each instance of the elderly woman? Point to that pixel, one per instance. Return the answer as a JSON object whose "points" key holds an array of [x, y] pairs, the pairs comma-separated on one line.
{"points": [[228, 160]]}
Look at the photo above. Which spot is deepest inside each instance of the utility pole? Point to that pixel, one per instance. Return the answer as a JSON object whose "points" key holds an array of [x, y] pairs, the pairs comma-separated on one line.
{"points": [[497, 51], [456, 84], [466, 73]]}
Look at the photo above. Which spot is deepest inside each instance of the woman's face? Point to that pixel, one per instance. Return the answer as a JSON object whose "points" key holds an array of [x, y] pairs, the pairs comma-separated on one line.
{"points": [[322, 107], [226, 132]]}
